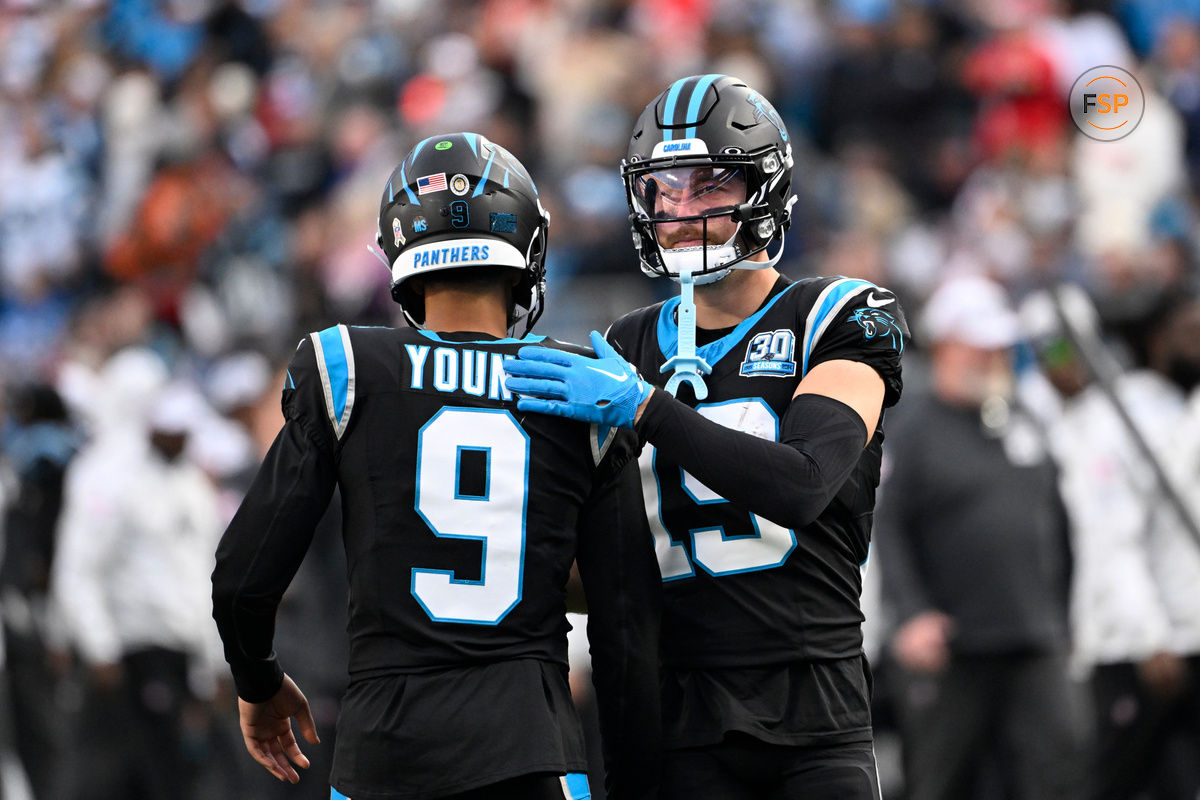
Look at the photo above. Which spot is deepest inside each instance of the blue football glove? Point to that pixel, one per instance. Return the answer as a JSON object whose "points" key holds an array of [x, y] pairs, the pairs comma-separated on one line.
{"points": [[605, 390]]}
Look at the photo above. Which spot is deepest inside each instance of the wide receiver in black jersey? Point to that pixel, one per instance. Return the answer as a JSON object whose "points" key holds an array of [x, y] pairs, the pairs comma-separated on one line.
{"points": [[759, 475], [462, 516]]}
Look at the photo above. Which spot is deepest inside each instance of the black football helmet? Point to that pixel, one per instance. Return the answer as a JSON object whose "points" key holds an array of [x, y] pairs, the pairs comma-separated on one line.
{"points": [[460, 201], [708, 134]]}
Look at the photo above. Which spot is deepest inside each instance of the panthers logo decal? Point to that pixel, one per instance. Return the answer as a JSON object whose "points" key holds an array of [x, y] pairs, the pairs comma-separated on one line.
{"points": [[877, 324]]}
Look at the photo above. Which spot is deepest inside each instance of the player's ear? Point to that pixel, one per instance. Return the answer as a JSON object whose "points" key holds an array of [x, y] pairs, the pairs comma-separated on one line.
{"points": [[417, 285]]}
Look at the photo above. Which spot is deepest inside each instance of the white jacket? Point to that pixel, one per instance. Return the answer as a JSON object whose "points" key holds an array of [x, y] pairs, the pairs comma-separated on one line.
{"points": [[1136, 586], [137, 543]]}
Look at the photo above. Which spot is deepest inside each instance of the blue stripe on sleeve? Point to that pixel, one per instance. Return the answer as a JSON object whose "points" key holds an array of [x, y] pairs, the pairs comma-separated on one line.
{"points": [[336, 368], [833, 300]]}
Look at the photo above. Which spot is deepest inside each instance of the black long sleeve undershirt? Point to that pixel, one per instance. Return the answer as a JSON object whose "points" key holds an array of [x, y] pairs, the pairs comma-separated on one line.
{"points": [[789, 482], [260, 553]]}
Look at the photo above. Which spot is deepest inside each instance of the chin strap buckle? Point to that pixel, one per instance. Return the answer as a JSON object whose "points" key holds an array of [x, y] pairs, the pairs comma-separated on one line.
{"points": [[688, 366]]}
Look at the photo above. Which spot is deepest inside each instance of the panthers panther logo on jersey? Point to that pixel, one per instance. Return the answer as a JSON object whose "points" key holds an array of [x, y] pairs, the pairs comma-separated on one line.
{"points": [[879, 324]]}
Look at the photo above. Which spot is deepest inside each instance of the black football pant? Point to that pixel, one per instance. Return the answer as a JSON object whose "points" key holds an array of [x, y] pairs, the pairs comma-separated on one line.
{"points": [[743, 768]]}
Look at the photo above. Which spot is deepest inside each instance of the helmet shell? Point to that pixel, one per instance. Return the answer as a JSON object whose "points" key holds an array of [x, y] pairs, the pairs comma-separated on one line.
{"points": [[714, 120], [460, 201]]}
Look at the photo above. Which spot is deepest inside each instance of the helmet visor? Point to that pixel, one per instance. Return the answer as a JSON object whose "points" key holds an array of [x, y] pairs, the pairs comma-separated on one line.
{"points": [[702, 190]]}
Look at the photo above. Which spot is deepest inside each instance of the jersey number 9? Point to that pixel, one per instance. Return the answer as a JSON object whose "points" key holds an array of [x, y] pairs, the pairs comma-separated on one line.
{"points": [[493, 513]]}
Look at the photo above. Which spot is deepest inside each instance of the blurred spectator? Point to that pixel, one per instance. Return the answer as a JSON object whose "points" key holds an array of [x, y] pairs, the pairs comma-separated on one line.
{"points": [[39, 442], [973, 550], [137, 541], [1136, 586]]}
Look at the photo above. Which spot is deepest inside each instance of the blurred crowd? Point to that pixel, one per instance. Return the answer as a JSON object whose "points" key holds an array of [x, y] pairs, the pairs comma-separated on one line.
{"points": [[188, 186]]}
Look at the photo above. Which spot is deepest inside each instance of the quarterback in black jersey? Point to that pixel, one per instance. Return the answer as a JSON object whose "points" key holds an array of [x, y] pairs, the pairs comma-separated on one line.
{"points": [[759, 474], [462, 516]]}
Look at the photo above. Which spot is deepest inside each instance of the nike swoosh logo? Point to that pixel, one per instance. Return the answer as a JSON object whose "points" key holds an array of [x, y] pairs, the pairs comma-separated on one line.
{"points": [[875, 302], [618, 378]]}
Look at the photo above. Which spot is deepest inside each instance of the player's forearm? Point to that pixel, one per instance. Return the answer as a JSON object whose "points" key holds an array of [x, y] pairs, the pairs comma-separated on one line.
{"points": [[789, 482], [259, 554]]}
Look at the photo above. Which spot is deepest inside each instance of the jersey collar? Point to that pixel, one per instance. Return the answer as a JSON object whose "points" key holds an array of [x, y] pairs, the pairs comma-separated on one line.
{"points": [[668, 330], [470, 337]]}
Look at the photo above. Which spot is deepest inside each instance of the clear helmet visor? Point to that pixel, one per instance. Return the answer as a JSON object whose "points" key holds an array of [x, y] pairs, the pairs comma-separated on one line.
{"points": [[677, 200]]}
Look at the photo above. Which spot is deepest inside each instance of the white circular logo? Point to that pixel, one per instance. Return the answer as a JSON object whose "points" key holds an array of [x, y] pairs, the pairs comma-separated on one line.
{"points": [[1107, 103], [459, 184]]}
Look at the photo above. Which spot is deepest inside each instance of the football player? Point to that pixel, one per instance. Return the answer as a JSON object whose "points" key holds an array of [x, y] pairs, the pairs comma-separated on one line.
{"points": [[462, 516], [759, 475]]}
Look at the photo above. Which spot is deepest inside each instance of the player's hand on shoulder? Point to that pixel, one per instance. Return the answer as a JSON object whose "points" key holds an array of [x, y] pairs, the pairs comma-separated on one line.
{"points": [[605, 390]]}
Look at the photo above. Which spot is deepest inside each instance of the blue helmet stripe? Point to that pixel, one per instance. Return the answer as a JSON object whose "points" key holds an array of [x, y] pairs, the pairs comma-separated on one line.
{"points": [[483, 180], [470, 137], [404, 181], [417, 150], [669, 108], [698, 93]]}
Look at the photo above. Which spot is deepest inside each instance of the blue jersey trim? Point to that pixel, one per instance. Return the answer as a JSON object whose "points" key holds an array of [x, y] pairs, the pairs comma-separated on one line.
{"points": [[334, 794], [833, 299], [668, 331], [576, 784], [336, 368]]}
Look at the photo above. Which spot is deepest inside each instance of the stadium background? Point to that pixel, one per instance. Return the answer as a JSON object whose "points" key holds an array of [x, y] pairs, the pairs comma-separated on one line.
{"points": [[202, 177]]}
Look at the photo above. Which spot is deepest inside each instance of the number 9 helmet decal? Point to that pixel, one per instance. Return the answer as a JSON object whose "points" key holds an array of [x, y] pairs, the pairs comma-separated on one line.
{"points": [[708, 178], [459, 201]]}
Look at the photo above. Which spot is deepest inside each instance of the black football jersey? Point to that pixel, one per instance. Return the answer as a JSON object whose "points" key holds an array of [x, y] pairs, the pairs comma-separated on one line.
{"points": [[740, 590], [461, 519]]}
